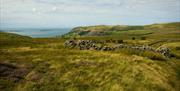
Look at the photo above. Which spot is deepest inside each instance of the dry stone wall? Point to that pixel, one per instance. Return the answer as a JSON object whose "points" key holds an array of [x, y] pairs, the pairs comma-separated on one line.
{"points": [[100, 46]]}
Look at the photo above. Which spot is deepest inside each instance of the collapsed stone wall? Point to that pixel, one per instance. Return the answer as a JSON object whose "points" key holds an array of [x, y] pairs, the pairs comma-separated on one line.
{"points": [[101, 46]]}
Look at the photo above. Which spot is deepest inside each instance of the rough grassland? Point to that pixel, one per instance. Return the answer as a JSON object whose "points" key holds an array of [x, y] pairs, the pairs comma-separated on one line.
{"points": [[51, 67]]}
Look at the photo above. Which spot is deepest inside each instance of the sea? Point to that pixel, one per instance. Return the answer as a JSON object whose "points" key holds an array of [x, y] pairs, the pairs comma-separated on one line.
{"points": [[38, 32]]}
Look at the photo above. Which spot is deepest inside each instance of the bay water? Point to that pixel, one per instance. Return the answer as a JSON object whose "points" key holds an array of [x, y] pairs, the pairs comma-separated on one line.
{"points": [[38, 32]]}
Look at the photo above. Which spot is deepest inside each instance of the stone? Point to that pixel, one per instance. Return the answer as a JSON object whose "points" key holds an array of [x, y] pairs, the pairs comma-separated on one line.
{"points": [[164, 51], [99, 45]]}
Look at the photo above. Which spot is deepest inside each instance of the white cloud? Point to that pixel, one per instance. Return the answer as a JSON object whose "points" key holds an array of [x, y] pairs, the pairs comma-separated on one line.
{"points": [[92, 10], [34, 10], [54, 8]]}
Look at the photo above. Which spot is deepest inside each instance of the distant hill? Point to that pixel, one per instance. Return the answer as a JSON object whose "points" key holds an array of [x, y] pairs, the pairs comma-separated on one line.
{"points": [[9, 39], [105, 30], [5, 35]]}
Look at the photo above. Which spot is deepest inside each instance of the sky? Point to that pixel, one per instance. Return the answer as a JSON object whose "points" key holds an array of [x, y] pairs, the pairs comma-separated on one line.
{"points": [[72, 13]]}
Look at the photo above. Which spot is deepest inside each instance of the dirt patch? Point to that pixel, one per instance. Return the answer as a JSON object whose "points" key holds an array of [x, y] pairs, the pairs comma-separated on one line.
{"points": [[12, 72]]}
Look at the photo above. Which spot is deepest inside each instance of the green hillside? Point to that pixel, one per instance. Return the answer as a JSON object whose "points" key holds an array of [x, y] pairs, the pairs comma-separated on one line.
{"points": [[10, 39], [120, 30], [44, 64]]}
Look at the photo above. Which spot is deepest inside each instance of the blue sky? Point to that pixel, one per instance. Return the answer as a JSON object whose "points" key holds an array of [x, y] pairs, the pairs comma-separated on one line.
{"points": [[72, 13]]}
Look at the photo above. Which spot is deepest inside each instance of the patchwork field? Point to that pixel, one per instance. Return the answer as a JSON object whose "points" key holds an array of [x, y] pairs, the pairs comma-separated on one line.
{"points": [[44, 64]]}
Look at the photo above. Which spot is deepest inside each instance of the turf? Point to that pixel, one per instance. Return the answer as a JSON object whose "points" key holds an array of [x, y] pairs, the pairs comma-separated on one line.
{"points": [[51, 67]]}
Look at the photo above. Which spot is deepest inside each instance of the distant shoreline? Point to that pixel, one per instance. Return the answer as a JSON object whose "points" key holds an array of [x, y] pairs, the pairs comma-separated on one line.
{"points": [[39, 32]]}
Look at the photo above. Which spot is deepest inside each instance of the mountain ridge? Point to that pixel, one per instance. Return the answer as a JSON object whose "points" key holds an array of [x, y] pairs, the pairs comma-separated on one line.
{"points": [[104, 30]]}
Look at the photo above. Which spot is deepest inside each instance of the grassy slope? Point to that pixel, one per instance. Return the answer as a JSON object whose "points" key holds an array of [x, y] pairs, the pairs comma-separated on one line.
{"points": [[127, 32], [10, 39], [52, 67]]}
